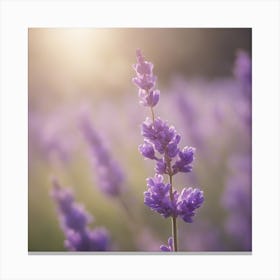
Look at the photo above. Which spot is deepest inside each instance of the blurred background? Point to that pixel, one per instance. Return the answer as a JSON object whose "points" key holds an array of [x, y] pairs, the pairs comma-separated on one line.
{"points": [[204, 76]]}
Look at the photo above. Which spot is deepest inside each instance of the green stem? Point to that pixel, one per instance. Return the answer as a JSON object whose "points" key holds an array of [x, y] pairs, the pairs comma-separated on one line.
{"points": [[153, 115], [126, 209], [174, 221]]}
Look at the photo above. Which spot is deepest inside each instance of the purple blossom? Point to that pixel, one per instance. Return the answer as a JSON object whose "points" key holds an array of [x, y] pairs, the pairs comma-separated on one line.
{"points": [[164, 137], [149, 99], [186, 157], [74, 221], [147, 150], [188, 201], [157, 197], [161, 167], [169, 247], [142, 67], [145, 81], [110, 175]]}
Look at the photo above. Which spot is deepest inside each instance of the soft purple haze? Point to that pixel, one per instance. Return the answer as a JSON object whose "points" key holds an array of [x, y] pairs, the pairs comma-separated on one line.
{"points": [[75, 220]]}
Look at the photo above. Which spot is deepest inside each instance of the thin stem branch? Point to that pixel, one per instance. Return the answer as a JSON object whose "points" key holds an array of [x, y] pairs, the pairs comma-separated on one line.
{"points": [[126, 209], [153, 115], [174, 233], [173, 219]]}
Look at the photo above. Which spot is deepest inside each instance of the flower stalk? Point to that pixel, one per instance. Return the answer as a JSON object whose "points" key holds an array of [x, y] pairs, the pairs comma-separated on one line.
{"points": [[174, 221], [161, 143]]}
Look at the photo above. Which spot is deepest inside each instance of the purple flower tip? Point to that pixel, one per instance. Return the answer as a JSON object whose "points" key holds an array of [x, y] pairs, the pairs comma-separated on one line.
{"points": [[139, 56], [142, 67], [169, 247], [145, 80], [147, 150]]}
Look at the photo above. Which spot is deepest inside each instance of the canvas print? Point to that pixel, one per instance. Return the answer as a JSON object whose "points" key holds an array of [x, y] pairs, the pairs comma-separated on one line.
{"points": [[139, 140]]}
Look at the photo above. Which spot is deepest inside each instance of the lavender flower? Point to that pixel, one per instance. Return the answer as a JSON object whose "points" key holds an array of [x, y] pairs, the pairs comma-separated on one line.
{"points": [[145, 81], [163, 139], [147, 150], [168, 248], [158, 197], [74, 222], [189, 200], [109, 173], [149, 99], [186, 157], [159, 200]]}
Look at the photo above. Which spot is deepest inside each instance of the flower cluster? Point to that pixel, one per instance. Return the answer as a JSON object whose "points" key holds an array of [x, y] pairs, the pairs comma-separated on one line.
{"points": [[189, 200], [161, 143], [158, 198], [162, 138], [74, 222], [110, 175]]}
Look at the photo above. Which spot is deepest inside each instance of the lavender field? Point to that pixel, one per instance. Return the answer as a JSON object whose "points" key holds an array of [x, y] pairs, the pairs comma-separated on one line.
{"points": [[139, 140]]}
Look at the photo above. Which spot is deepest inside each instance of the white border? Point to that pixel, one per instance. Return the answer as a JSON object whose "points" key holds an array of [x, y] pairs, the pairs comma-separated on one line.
{"points": [[262, 16]]}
